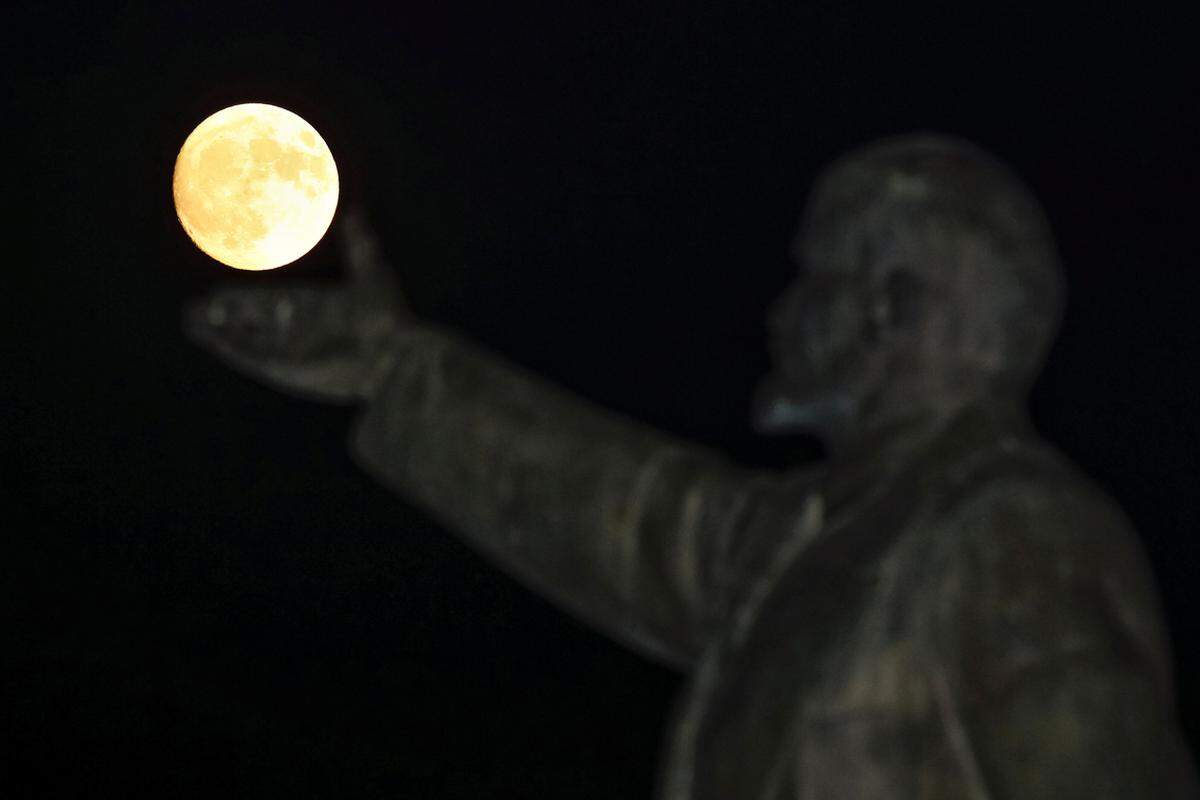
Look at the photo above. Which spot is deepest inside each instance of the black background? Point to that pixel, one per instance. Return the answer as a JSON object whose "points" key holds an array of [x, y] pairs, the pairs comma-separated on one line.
{"points": [[203, 593]]}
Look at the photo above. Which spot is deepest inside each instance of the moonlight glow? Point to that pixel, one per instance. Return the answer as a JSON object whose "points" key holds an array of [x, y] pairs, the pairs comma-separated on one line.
{"points": [[255, 186]]}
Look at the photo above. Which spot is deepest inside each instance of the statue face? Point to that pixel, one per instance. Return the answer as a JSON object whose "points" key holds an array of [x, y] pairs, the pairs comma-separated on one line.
{"points": [[823, 334], [928, 280]]}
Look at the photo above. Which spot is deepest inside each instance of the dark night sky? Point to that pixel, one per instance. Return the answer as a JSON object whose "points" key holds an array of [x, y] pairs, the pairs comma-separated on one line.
{"points": [[204, 593]]}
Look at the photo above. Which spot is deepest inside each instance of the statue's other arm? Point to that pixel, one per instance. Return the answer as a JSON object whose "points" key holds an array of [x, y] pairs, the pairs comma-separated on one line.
{"points": [[641, 534], [1063, 665], [1086, 727]]}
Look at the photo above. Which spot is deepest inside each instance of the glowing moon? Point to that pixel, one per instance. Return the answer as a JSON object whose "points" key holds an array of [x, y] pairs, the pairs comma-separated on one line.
{"points": [[255, 186]]}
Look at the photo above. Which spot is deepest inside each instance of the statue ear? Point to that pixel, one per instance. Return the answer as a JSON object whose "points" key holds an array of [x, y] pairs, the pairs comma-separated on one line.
{"points": [[897, 303]]}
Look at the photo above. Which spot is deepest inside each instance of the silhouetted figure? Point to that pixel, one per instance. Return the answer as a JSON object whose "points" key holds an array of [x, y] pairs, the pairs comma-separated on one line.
{"points": [[946, 609]]}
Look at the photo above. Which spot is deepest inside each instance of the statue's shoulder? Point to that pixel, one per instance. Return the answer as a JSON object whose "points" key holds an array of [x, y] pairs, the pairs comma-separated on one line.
{"points": [[1040, 564], [1025, 490]]}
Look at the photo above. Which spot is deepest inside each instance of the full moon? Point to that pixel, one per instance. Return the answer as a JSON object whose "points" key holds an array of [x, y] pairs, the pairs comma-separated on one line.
{"points": [[255, 186]]}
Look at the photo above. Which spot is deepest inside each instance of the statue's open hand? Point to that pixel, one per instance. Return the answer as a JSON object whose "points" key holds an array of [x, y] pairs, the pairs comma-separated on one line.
{"points": [[321, 343]]}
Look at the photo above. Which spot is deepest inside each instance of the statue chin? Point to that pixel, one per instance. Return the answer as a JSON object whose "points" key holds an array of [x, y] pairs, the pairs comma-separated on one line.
{"points": [[776, 411]]}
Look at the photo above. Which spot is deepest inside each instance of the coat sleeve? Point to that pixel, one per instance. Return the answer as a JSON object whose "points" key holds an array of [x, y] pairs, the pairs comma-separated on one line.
{"points": [[643, 535], [1083, 726], [1059, 678]]}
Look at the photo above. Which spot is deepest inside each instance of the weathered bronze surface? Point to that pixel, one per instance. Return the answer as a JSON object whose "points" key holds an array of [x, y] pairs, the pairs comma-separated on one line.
{"points": [[946, 609]]}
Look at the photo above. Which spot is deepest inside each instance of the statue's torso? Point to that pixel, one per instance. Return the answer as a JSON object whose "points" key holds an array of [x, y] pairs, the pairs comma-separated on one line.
{"points": [[848, 676]]}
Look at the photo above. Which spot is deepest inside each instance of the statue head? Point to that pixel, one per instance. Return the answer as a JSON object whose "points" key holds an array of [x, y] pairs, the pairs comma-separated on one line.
{"points": [[928, 281]]}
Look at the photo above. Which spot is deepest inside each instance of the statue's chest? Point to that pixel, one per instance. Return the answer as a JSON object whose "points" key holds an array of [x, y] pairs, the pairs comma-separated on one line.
{"points": [[822, 671]]}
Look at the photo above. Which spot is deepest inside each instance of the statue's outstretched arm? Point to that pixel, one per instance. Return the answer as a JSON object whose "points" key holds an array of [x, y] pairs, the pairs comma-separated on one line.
{"points": [[643, 535], [639, 533]]}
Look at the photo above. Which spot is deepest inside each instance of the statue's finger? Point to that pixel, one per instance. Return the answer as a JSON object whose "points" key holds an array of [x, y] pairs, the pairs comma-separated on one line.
{"points": [[360, 247]]}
